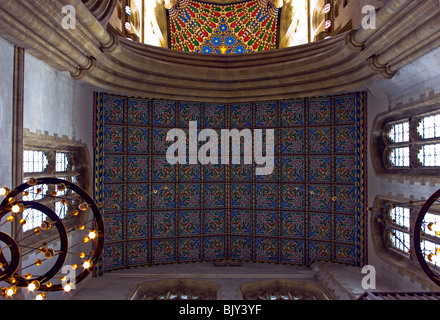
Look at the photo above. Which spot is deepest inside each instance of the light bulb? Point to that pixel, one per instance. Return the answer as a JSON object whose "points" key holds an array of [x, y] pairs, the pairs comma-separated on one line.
{"points": [[4, 191], [92, 235], [86, 239], [34, 285], [83, 206], [32, 182], [17, 208], [434, 258], [10, 218], [11, 291], [87, 264], [41, 296], [67, 287], [433, 227]]}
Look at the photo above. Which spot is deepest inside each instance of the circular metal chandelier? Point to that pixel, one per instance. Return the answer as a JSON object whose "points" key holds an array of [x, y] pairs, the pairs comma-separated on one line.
{"points": [[52, 254], [418, 231]]}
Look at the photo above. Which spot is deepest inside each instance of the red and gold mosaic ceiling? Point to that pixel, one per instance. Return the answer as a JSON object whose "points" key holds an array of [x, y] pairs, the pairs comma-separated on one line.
{"points": [[243, 27]]}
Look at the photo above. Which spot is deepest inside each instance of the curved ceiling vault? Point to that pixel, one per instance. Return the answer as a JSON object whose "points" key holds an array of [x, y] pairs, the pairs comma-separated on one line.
{"points": [[405, 30]]}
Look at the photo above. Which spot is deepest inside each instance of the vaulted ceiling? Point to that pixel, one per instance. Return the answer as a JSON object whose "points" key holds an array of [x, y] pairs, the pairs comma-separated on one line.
{"points": [[405, 30]]}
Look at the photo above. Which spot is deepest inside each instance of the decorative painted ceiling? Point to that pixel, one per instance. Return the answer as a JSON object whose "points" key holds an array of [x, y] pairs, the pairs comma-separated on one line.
{"points": [[312, 206], [223, 29]]}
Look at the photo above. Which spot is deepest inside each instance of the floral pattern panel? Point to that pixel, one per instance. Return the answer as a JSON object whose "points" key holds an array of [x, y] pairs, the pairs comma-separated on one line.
{"points": [[311, 207]]}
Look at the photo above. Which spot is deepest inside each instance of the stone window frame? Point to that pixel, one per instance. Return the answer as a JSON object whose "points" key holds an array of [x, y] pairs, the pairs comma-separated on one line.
{"points": [[295, 289], [79, 158], [404, 263], [381, 146], [176, 289]]}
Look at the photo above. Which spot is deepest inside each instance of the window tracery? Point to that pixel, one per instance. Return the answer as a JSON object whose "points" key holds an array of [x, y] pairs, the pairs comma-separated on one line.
{"points": [[412, 143], [49, 156], [282, 289], [176, 289], [397, 229]]}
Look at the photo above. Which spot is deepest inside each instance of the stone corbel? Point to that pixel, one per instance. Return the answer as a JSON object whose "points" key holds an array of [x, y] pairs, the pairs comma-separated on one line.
{"points": [[112, 45], [384, 70], [351, 43], [82, 71]]}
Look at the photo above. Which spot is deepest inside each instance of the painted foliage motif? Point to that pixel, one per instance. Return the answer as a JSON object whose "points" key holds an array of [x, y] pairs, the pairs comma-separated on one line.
{"points": [[223, 29], [309, 208]]}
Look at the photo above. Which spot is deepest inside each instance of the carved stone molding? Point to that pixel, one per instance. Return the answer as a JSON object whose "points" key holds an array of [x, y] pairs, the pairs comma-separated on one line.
{"points": [[82, 71], [93, 53], [384, 70], [351, 42]]}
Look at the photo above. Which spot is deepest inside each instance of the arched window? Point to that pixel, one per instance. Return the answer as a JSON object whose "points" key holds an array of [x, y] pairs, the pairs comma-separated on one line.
{"points": [[47, 156], [282, 289], [413, 142], [397, 225], [407, 142], [176, 289]]}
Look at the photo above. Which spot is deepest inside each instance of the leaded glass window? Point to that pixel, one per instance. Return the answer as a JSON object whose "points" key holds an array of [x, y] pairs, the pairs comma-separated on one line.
{"points": [[429, 127], [400, 216], [34, 161], [399, 157], [400, 240], [399, 230], [429, 155], [48, 163], [412, 143], [399, 132]]}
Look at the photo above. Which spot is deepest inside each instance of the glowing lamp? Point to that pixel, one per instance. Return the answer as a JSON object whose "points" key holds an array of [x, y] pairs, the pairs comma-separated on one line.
{"points": [[4, 191], [11, 291], [34, 285], [433, 227], [17, 208], [41, 296], [92, 235], [67, 287], [87, 264]]}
